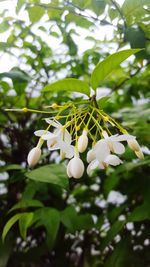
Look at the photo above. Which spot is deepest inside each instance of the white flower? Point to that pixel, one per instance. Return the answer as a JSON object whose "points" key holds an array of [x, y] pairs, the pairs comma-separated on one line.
{"points": [[114, 144], [59, 139], [100, 157], [83, 142], [34, 156], [75, 167]]}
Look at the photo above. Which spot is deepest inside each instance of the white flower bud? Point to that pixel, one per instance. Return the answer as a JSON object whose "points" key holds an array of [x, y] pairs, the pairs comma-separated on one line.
{"points": [[34, 156], [82, 142], [133, 144], [75, 168], [139, 154]]}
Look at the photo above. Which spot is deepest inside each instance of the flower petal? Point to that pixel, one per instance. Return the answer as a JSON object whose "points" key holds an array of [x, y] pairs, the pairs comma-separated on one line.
{"points": [[68, 170], [90, 156], [101, 150], [93, 165], [122, 137], [48, 136], [53, 122], [113, 160], [118, 148], [66, 137], [67, 149], [52, 144], [39, 133]]}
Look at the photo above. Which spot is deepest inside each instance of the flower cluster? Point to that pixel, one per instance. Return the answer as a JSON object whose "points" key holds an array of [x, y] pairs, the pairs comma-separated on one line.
{"points": [[83, 126]]}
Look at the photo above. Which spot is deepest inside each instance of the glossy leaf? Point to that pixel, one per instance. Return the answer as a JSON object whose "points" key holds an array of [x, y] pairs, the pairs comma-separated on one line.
{"points": [[105, 67], [26, 203], [10, 223], [24, 222], [69, 85], [54, 174]]}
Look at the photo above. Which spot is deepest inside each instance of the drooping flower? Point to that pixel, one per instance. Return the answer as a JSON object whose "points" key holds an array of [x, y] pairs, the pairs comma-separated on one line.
{"points": [[60, 138], [114, 144], [83, 142], [34, 156], [100, 157]]}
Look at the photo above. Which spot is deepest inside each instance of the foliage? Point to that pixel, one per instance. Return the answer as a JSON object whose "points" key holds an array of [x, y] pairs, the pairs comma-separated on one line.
{"points": [[47, 219]]}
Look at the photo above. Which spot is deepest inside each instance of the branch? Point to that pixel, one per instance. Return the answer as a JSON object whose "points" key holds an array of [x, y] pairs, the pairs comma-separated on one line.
{"points": [[119, 11], [103, 21]]}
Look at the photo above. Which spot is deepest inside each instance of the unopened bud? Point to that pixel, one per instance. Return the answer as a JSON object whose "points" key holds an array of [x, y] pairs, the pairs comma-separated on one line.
{"points": [[34, 156], [82, 142], [133, 144], [75, 168], [139, 154]]}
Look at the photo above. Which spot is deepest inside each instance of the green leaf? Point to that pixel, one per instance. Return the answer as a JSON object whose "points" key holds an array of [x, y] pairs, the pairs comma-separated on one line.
{"points": [[10, 167], [114, 230], [102, 101], [133, 9], [4, 46], [54, 14], [10, 223], [105, 67], [140, 213], [98, 6], [35, 13], [79, 20], [20, 3], [6, 87], [51, 222], [25, 203], [24, 222], [54, 174], [50, 219], [74, 221], [137, 39], [120, 256], [16, 75], [70, 85], [5, 251], [4, 26]]}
